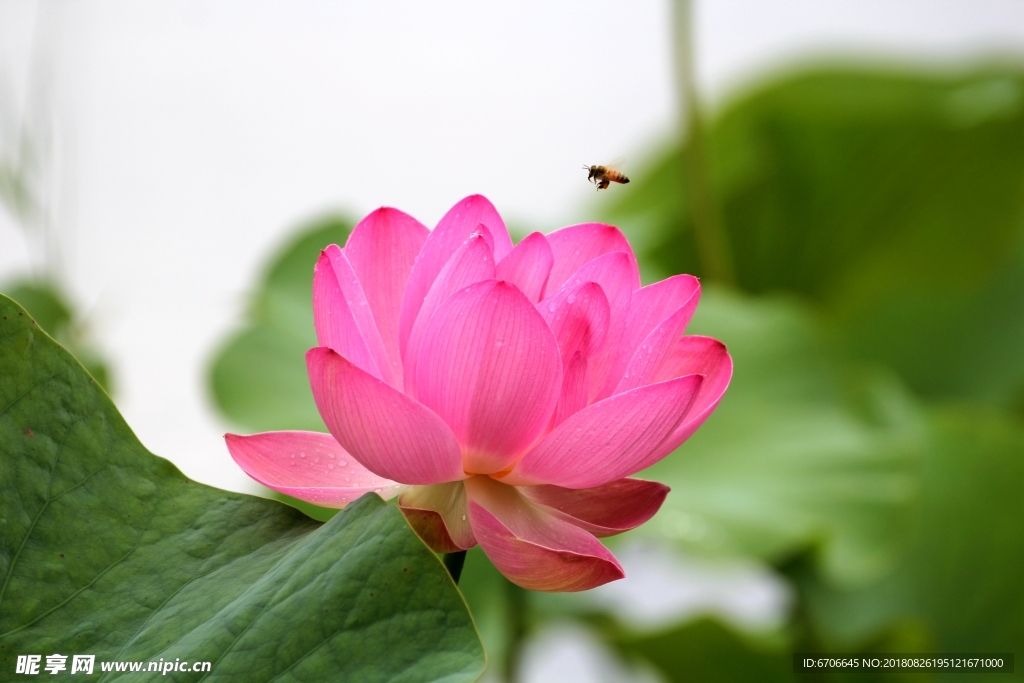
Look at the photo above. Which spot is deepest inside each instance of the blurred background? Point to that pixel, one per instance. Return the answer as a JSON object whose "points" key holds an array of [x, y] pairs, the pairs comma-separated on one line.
{"points": [[846, 178]]}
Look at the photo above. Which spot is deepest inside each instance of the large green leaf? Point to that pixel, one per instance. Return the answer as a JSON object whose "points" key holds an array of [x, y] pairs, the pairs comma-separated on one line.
{"points": [[106, 549], [804, 450], [896, 201], [960, 572], [258, 378]]}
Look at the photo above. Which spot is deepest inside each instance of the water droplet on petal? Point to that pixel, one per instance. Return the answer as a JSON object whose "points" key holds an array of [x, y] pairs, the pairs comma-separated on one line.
{"points": [[377, 490], [342, 463], [330, 467], [463, 518], [348, 479], [302, 455], [552, 308], [571, 298]]}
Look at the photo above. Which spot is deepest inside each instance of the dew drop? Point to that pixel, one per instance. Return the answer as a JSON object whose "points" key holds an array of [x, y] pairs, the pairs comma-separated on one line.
{"points": [[571, 298], [302, 455], [377, 490], [552, 308], [348, 479], [330, 467], [342, 463], [463, 518], [330, 455]]}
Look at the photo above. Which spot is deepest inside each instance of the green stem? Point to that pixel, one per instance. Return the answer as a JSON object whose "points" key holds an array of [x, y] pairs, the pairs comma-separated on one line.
{"points": [[709, 230], [515, 611], [453, 562]]}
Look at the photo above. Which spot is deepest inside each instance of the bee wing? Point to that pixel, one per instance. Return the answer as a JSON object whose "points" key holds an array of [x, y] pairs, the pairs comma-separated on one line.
{"points": [[616, 163]]}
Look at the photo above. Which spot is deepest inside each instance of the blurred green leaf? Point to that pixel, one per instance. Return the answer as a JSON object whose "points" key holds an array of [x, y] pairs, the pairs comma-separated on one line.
{"points": [[960, 572], [895, 201], [108, 550], [51, 310], [258, 378], [707, 651], [965, 344], [44, 303], [486, 592], [804, 450]]}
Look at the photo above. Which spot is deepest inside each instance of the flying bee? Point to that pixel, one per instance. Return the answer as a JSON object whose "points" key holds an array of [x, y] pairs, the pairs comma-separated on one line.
{"points": [[602, 176]]}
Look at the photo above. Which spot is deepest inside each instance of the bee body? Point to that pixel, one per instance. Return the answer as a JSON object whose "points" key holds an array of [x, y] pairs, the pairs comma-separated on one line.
{"points": [[602, 176]]}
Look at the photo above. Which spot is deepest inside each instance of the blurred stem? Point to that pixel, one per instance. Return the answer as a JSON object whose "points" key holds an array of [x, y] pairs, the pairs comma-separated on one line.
{"points": [[515, 611], [708, 228], [453, 562]]}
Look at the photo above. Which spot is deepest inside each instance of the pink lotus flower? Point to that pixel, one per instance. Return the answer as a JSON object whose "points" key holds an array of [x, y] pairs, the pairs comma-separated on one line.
{"points": [[506, 393]]}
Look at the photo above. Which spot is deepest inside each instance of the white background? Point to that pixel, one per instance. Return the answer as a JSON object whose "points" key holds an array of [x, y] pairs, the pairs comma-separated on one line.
{"points": [[188, 137]]}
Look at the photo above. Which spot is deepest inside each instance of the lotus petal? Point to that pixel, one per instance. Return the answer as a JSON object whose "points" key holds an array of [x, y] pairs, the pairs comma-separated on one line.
{"points": [[533, 549], [528, 266], [576, 245], [603, 510], [609, 439], [438, 513], [309, 466], [489, 366], [389, 433], [708, 357], [454, 228], [382, 249]]}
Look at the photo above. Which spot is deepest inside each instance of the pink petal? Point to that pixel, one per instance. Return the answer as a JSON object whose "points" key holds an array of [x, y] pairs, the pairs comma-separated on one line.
{"points": [[610, 439], [534, 549], [575, 389], [618, 277], [382, 249], [578, 317], [335, 325], [439, 515], [656, 349], [604, 510], [575, 246], [454, 228], [649, 307], [489, 366], [388, 432], [528, 266], [472, 262], [356, 323], [307, 465], [697, 355]]}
